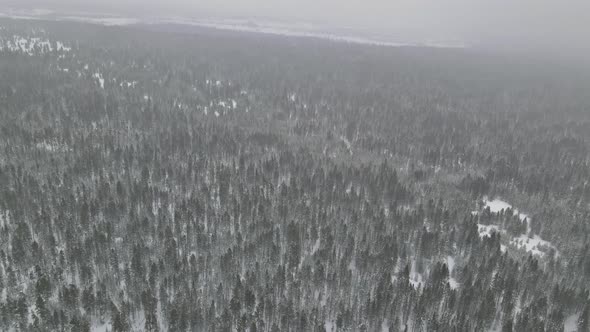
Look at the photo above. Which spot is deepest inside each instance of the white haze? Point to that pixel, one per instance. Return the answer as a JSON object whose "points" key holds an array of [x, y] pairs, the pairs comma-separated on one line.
{"points": [[540, 26]]}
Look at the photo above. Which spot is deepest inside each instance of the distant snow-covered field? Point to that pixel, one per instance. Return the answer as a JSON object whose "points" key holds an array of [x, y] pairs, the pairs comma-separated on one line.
{"points": [[289, 29]]}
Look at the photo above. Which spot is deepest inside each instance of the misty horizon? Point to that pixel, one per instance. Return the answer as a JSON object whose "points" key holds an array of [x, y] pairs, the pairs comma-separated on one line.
{"points": [[537, 27]]}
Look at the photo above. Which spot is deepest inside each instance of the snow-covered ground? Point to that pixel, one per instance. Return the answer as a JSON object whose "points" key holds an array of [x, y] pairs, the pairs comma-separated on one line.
{"points": [[527, 242], [347, 143], [230, 104], [571, 323], [4, 218], [416, 279], [533, 244], [487, 230], [45, 14], [107, 21], [126, 84], [52, 146], [100, 79], [101, 326], [31, 45], [451, 266], [497, 205]]}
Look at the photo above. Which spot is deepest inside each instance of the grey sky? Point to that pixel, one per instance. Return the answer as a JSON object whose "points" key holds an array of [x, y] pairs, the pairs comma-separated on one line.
{"points": [[549, 25]]}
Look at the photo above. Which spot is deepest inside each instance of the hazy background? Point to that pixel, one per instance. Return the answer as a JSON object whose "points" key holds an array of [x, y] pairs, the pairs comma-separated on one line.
{"points": [[560, 27]]}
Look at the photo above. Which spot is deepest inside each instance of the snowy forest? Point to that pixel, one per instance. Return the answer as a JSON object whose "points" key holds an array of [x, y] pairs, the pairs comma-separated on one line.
{"points": [[173, 178]]}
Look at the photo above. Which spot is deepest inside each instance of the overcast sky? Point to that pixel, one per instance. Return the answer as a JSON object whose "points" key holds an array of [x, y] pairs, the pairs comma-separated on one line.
{"points": [[549, 25]]}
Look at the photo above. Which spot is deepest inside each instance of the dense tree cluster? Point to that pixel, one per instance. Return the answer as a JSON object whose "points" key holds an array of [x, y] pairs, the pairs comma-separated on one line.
{"points": [[170, 179]]}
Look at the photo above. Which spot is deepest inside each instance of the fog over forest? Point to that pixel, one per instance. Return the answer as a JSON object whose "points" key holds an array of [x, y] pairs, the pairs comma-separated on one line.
{"points": [[321, 166], [526, 26]]}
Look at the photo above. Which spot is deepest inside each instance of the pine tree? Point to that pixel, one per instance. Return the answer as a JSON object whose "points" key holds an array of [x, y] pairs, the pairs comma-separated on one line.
{"points": [[119, 320], [584, 319], [507, 324], [149, 304], [43, 286], [41, 309]]}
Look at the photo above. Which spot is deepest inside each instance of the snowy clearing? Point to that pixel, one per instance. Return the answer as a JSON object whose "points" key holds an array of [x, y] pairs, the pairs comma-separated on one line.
{"points": [[571, 323], [532, 244], [497, 205], [487, 230]]}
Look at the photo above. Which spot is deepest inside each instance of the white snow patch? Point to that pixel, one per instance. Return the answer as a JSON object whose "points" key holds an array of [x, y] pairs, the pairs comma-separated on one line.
{"points": [[416, 278], [502, 248], [571, 323], [487, 230], [100, 79], [498, 205], [451, 266], [30, 46], [347, 143], [451, 263], [4, 218], [52, 146], [329, 326], [126, 84], [107, 21], [62, 47], [100, 327], [316, 246], [533, 245]]}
